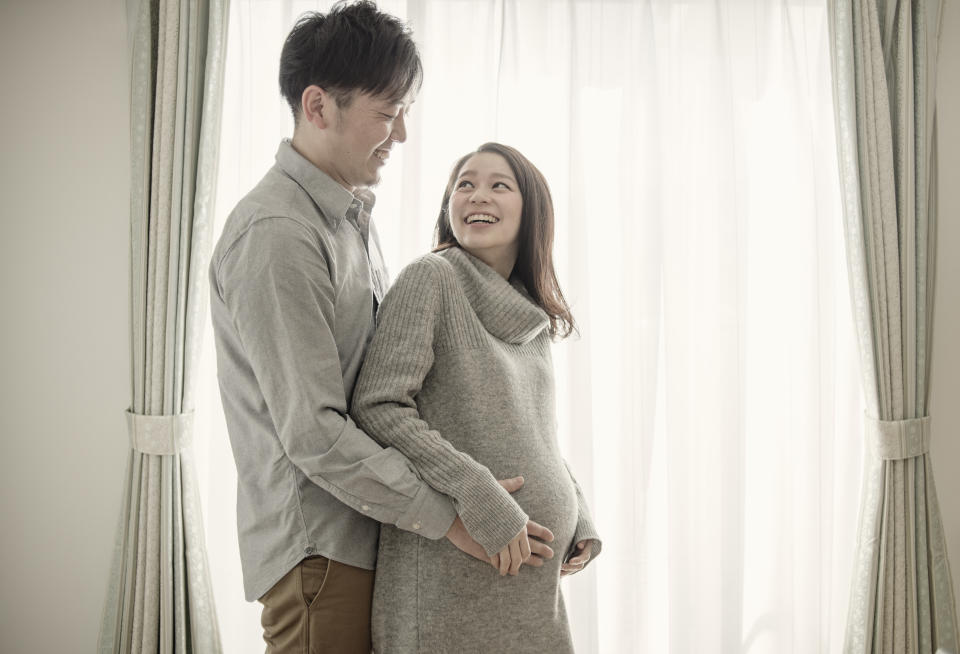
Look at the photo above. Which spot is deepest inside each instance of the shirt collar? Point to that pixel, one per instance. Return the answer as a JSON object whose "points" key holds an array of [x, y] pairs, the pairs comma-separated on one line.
{"points": [[331, 198]]}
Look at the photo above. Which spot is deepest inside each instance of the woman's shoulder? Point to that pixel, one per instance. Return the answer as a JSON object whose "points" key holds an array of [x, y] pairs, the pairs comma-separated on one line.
{"points": [[430, 269]]}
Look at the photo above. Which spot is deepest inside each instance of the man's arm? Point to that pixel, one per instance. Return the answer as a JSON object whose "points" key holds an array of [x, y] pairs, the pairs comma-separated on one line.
{"points": [[276, 285]]}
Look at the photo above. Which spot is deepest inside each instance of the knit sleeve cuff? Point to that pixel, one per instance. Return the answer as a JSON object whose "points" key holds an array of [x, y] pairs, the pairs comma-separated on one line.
{"points": [[488, 512]]}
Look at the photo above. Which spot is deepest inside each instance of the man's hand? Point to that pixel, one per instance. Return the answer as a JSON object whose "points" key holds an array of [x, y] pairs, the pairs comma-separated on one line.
{"points": [[461, 539], [530, 544], [538, 548]]}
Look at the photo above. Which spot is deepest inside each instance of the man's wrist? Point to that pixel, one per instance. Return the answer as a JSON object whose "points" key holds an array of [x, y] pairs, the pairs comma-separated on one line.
{"points": [[431, 514]]}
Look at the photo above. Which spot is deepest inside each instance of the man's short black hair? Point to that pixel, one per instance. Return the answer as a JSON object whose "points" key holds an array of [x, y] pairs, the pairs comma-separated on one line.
{"points": [[353, 47]]}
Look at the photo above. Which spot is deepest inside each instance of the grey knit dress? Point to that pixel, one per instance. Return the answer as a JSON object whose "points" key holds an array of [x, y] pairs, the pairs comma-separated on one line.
{"points": [[459, 378]]}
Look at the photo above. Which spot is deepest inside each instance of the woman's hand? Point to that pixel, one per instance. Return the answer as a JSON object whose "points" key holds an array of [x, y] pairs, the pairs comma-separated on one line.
{"points": [[530, 544], [576, 563], [515, 554]]}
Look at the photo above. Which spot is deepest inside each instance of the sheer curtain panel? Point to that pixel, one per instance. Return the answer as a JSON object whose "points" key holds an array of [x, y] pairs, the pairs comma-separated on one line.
{"points": [[707, 405], [159, 596], [885, 62]]}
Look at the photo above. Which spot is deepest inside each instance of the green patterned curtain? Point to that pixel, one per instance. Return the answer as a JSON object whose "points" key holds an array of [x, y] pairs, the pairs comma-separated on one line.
{"points": [[884, 62], [159, 597]]}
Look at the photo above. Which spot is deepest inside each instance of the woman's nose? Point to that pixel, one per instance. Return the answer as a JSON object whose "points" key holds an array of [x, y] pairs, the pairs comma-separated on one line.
{"points": [[478, 195]]}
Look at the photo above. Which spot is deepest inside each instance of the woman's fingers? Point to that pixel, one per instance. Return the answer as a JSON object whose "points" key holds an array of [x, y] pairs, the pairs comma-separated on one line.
{"points": [[539, 531], [570, 567], [576, 563], [504, 560], [539, 551], [511, 485]]}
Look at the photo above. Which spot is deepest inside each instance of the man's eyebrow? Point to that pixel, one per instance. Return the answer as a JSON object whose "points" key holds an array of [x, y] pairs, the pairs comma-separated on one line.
{"points": [[473, 172]]}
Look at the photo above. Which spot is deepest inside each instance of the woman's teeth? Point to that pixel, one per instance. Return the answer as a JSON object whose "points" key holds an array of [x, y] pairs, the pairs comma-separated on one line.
{"points": [[482, 218], [382, 155]]}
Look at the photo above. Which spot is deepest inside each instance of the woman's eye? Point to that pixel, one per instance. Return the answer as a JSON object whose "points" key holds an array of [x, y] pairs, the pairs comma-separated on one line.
{"points": [[463, 184], [503, 184]]}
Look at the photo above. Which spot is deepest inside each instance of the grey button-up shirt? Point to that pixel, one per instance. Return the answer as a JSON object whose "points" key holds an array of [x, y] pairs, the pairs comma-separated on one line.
{"points": [[295, 279]]}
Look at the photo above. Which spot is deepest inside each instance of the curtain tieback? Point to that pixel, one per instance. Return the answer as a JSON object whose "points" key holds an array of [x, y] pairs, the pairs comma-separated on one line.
{"points": [[160, 434], [898, 439]]}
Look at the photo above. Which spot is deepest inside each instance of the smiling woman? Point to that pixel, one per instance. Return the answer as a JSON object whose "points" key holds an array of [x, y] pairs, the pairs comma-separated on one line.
{"points": [[484, 210], [485, 334]]}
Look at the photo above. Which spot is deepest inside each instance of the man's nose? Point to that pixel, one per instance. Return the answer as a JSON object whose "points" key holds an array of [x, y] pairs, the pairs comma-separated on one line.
{"points": [[399, 133]]}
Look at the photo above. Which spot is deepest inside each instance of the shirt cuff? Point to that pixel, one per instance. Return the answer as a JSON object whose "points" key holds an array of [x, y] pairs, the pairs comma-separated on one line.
{"points": [[431, 514]]}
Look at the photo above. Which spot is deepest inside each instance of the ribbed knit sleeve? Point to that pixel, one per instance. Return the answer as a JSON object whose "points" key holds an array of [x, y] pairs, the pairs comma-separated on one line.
{"points": [[384, 404], [585, 527]]}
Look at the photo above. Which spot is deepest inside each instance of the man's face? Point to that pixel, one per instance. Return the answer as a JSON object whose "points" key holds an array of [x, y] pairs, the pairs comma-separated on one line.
{"points": [[360, 137]]}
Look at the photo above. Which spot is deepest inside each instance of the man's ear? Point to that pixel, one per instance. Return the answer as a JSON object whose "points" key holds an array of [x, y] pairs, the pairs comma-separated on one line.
{"points": [[316, 107]]}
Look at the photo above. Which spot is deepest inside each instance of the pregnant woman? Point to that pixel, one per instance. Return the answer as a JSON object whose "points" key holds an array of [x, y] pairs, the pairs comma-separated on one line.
{"points": [[459, 378]]}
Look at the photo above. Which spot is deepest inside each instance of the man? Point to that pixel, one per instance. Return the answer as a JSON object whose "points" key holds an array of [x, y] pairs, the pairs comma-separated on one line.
{"points": [[296, 279]]}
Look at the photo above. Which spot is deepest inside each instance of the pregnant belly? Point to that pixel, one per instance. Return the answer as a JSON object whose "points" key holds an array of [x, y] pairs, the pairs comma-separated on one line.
{"points": [[548, 495], [513, 441]]}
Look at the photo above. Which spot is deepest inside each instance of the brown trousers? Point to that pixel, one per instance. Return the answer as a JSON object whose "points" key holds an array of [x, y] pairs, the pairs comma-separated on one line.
{"points": [[319, 607]]}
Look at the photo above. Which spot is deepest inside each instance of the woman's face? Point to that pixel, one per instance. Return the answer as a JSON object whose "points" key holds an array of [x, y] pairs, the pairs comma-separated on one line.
{"points": [[484, 211]]}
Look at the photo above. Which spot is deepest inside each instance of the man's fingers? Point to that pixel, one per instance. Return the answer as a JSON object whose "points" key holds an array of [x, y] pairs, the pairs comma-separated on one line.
{"points": [[504, 560], [539, 531], [515, 560], [542, 550], [535, 561], [511, 485], [524, 547]]}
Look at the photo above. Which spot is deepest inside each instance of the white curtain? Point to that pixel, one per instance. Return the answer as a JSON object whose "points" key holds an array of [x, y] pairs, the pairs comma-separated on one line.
{"points": [[707, 407]]}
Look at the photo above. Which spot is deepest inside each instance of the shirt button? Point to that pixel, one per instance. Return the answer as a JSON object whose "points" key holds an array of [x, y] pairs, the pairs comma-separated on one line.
{"points": [[365, 507], [309, 550], [416, 525]]}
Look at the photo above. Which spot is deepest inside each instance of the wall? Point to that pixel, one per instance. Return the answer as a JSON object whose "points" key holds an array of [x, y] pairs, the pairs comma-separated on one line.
{"points": [[945, 372], [64, 242]]}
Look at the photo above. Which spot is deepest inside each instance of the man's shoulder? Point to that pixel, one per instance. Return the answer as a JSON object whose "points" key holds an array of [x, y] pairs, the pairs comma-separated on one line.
{"points": [[277, 207]]}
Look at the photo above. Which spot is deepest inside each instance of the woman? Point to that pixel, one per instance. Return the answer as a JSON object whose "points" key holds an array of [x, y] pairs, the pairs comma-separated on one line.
{"points": [[459, 378]]}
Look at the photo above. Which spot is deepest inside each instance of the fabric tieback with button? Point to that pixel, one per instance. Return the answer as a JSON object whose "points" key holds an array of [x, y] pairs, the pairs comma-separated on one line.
{"points": [[160, 434], [898, 439]]}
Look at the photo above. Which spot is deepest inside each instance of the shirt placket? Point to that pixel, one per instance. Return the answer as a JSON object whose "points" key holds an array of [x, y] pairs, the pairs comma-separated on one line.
{"points": [[358, 215]]}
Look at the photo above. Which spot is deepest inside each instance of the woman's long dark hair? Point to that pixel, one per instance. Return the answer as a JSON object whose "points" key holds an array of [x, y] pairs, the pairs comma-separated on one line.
{"points": [[534, 265]]}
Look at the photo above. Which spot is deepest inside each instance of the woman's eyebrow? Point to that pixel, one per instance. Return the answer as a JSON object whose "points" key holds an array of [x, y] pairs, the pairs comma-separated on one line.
{"points": [[464, 173]]}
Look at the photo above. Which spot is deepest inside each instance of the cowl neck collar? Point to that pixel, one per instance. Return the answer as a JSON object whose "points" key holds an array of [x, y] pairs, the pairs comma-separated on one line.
{"points": [[505, 308]]}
